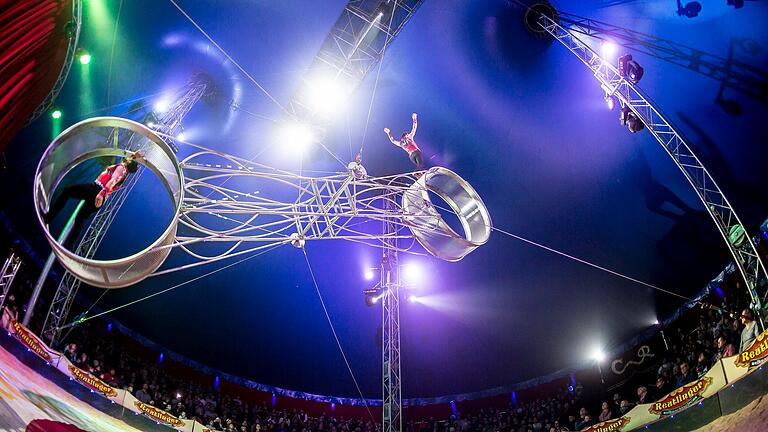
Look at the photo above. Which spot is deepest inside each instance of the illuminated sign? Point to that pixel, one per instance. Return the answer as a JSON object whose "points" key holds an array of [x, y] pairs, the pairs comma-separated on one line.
{"points": [[609, 425], [158, 415], [681, 398], [91, 382], [756, 353]]}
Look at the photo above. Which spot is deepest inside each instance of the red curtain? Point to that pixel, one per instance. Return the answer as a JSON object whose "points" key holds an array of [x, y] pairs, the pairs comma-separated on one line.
{"points": [[33, 45]]}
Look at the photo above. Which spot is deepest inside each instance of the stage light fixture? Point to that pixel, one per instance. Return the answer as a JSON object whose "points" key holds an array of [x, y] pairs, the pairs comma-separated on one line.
{"points": [[610, 101], [181, 136], [326, 95], [82, 56], [296, 136], [372, 296], [368, 274], [690, 10], [630, 120], [598, 355], [413, 299], [608, 48], [162, 106], [56, 114], [630, 69]]}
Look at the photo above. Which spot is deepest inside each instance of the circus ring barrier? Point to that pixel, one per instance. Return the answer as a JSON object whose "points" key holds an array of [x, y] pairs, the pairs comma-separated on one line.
{"points": [[113, 136], [727, 393], [100, 137]]}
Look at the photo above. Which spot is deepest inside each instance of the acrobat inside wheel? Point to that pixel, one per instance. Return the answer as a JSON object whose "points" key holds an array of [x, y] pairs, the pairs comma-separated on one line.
{"points": [[90, 139]]}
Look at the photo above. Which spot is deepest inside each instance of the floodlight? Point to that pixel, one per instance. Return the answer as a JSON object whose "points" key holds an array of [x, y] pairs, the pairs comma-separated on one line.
{"points": [[598, 355], [326, 95], [413, 273], [180, 136], [56, 114], [609, 48], [295, 136], [368, 274], [610, 101], [162, 106]]}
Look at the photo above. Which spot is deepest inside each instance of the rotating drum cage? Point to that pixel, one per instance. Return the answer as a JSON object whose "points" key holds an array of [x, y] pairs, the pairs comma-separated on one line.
{"points": [[99, 137], [428, 226]]}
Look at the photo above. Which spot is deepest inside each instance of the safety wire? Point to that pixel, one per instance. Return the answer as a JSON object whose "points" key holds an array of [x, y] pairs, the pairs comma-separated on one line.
{"points": [[336, 337], [237, 65], [178, 285], [376, 83]]}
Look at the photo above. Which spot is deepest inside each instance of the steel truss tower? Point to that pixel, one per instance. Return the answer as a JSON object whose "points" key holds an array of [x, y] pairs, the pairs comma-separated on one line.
{"points": [[354, 45], [7, 273], [168, 123], [745, 254], [392, 420]]}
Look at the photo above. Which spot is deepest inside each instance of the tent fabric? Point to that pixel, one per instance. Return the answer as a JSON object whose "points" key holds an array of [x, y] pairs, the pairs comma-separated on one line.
{"points": [[33, 46]]}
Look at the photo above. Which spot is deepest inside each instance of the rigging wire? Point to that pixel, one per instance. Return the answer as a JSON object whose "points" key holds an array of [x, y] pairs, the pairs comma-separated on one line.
{"points": [[376, 83], [237, 65], [178, 285], [336, 337], [590, 264]]}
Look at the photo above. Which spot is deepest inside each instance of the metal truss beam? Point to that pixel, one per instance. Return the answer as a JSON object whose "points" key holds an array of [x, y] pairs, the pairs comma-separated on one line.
{"points": [[739, 76], [168, 123], [7, 274], [745, 253], [73, 36], [392, 420], [355, 44]]}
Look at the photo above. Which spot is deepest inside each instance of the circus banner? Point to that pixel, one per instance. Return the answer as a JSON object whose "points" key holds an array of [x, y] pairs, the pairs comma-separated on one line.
{"points": [[32, 342], [609, 425], [756, 354], [681, 398]]}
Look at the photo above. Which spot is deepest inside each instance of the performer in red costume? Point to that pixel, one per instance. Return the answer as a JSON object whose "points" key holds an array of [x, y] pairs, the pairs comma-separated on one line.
{"points": [[92, 194], [408, 144]]}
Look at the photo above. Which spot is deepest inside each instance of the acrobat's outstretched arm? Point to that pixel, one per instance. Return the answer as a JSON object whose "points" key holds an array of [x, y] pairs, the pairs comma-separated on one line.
{"points": [[414, 117], [395, 142]]}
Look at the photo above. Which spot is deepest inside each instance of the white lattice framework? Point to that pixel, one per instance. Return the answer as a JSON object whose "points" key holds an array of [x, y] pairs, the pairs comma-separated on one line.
{"points": [[745, 254]]}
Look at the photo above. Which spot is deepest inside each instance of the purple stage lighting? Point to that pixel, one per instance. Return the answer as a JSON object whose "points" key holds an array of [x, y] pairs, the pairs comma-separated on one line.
{"points": [[610, 101], [413, 273], [609, 48], [368, 274], [413, 299]]}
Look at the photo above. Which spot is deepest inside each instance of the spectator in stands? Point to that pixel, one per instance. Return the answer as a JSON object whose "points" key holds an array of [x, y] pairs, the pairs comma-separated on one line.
{"points": [[663, 387], [724, 349], [686, 375], [625, 406], [143, 394], [642, 395], [606, 413], [750, 332], [71, 353]]}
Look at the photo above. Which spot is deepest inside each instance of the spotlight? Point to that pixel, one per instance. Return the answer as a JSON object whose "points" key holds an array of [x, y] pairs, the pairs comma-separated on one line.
{"points": [[181, 136], [296, 136], [609, 49], [630, 69], [690, 10], [598, 355], [372, 296], [413, 299], [368, 274], [83, 56], [326, 95], [56, 114], [413, 274], [630, 120], [161, 106], [610, 101]]}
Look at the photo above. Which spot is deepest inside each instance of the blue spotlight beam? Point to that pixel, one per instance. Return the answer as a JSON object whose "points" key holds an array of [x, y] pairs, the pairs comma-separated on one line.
{"points": [[745, 254]]}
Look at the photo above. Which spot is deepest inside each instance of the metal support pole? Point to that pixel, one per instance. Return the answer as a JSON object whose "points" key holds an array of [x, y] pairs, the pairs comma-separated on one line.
{"points": [[390, 306], [7, 274]]}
